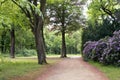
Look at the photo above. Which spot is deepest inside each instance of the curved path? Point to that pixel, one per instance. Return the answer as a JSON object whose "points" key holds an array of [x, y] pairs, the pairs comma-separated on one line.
{"points": [[72, 69]]}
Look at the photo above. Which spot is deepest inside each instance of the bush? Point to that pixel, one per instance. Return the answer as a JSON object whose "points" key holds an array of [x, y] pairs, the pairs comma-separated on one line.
{"points": [[98, 50], [111, 54], [88, 47], [97, 31], [106, 51], [26, 52]]}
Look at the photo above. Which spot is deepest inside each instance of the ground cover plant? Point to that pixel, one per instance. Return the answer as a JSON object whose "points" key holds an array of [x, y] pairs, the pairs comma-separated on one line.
{"points": [[106, 51]]}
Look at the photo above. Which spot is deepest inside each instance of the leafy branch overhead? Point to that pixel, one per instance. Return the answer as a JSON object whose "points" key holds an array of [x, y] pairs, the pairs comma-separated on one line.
{"points": [[30, 10], [9, 14], [106, 8]]}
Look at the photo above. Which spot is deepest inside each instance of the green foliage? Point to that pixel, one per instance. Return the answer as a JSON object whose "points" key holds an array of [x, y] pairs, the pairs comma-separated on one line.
{"points": [[1, 58], [26, 52], [63, 13], [54, 1], [64, 17], [28, 8], [94, 33], [53, 42], [4, 41], [77, 36], [11, 15], [24, 40], [100, 9]]}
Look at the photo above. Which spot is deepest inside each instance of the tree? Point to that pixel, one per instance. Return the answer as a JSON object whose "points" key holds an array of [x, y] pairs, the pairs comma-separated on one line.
{"points": [[11, 18], [6, 22], [104, 9], [64, 17], [35, 13]]}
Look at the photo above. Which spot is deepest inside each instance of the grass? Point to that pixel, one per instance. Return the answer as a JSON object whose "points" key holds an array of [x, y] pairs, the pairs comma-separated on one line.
{"points": [[21, 68], [112, 72], [25, 68], [68, 55]]}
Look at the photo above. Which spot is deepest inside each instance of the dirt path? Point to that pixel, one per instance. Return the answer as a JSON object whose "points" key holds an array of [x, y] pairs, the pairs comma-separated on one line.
{"points": [[72, 69]]}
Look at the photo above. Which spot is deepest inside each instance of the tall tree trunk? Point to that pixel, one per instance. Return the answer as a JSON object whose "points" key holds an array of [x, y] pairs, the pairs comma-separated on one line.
{"points": [[2, 44], [39, 40], [12, 47], [63, 53], [38, 33], [3, 50]]}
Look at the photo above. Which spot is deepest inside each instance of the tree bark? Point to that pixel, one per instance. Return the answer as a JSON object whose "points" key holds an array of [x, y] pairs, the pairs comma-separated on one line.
{"points": [[39, 40], [3, 48], [2, 44], [12, 47], [63, 53]]}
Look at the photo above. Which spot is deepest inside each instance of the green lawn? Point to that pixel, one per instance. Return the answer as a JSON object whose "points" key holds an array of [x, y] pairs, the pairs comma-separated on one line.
{"points": [[112, 72], [10, 69]]}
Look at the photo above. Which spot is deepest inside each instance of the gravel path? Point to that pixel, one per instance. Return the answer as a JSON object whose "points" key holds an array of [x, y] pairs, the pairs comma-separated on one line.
{"points": [[72, 69]]}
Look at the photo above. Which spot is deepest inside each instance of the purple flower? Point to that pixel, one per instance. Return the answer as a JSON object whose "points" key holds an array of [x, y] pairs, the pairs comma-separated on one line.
{"points": [[106, 51]]}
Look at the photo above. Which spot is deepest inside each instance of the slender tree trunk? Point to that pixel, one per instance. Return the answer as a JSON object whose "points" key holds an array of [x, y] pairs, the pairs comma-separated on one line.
{"points": [[2, 44], [12, 47], [3, 48], [63, 53]]}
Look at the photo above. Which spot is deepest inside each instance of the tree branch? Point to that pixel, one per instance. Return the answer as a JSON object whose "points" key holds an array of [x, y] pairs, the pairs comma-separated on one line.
{"points": [[107, 11], [42, 6], [20, 7], [27, 13]]}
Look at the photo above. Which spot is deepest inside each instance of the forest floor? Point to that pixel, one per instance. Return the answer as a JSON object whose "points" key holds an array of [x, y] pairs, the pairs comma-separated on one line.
{"points": [[72, 69]]}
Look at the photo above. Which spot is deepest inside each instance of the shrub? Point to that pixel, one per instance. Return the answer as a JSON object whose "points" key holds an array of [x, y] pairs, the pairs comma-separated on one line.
{"points": [[88, 47], [111, 54], [26, 52], [106, 51], [97, 31], [98, 50]]}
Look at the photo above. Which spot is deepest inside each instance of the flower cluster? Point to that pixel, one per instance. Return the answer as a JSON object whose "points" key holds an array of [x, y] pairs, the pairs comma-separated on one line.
{"points": [[106, 51]]}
